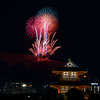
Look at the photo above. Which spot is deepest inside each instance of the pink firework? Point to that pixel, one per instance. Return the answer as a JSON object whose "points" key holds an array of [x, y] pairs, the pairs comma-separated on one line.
{"points": [[50, 21], [43, 49], [30, 27], [45, 16]]}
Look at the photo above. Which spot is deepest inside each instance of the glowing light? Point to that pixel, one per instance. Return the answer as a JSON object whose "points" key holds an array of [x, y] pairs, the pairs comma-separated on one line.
{"points": [[28, 96], [84, 76], [65, 74], [42, 26], [44, 15], [94, 84], [24, 85], [86, 97], [43, 47]]}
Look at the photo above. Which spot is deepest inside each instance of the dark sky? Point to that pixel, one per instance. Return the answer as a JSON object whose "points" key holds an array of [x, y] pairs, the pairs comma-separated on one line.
{"points": [[79, 32]]}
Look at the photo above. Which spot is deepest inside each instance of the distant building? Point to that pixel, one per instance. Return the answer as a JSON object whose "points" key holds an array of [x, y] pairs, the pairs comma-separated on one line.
{"points": [[11, 88], [94, 88], [69, 77], [17, 88]]}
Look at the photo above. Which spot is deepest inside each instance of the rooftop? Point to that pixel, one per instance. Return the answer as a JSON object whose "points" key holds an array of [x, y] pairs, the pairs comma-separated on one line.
{"points": [[70, 66]]}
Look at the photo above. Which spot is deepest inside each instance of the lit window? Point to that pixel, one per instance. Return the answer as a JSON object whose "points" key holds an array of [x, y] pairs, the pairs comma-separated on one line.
{"points": [[73, 75], [84, 90], [94, 89], [98, 88], [66, 87], [65, 74], [62, 87]]}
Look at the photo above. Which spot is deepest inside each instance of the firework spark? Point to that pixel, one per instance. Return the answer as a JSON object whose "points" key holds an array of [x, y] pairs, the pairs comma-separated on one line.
{"points": [[43, 49]]}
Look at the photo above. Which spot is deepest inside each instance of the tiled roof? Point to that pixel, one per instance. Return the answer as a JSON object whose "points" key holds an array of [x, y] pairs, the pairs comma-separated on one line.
{"points": [[70, 66], [70, 69]]}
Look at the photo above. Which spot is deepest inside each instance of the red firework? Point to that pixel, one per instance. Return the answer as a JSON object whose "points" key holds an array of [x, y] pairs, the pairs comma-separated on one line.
{"points": [[38, 22], [50, 20], [30, 27]]}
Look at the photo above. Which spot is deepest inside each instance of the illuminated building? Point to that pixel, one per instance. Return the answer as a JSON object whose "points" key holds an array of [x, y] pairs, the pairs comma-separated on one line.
{"points": [[69, 77]]}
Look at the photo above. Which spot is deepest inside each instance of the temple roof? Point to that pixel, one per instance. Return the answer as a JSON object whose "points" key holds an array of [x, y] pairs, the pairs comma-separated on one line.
{"points": [[69, 69], [70, 66], [70, 83]]}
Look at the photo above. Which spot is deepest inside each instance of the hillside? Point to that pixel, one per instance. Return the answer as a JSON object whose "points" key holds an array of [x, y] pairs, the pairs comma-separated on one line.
{"points": [[24, 67]]}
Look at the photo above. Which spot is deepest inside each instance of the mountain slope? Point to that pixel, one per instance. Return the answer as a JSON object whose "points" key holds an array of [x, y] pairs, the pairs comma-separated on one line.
{"points": [[24, 67]]}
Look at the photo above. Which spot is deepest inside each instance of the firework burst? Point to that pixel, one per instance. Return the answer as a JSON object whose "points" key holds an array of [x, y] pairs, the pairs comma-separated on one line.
{"points": [[43, 49], [45, 15], [41, 27], [30, 27]]}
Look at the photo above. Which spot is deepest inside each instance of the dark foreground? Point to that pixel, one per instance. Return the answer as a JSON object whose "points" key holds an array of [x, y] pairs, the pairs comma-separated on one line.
{"points": [[72, 94]]}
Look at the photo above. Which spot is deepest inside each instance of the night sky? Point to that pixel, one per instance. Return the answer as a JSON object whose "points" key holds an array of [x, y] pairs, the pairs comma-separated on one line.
{"points": [[79, 32]]}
